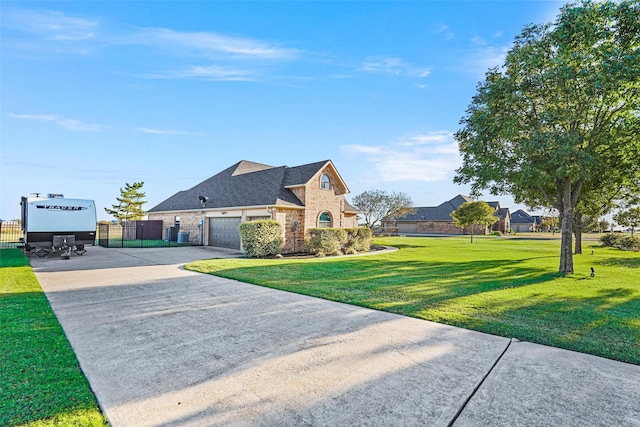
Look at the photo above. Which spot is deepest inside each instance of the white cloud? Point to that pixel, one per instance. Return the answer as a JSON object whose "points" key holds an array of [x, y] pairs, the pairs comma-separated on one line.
{"points": [[445, 31], [384, 65], [162, 131], [71, 124], [209, 44], [486, 57], [50, 25], [432, 138], [429, 157], [392, 66], [478, 41], [212, 72]]}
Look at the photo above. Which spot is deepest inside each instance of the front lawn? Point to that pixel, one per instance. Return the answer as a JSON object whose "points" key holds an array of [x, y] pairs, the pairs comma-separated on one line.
{"points": [[507, 287], [41, 383]]}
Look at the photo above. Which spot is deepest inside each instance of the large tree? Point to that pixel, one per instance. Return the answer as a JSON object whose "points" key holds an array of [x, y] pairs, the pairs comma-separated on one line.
{"points": [[129, 207], [562, 116], [376, 205], [469, 214]]}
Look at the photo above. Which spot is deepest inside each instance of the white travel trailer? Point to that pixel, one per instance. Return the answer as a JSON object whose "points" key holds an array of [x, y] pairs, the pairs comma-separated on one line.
{"points": [[54, 223]]}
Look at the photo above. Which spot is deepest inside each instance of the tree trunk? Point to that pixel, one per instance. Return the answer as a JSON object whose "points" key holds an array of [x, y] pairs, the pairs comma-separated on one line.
{"points": [[566, 212], [578, 226]]}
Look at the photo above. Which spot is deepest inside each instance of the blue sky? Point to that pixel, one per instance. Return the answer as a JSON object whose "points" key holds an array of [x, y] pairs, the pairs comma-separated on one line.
{"points": [[97, 94]]}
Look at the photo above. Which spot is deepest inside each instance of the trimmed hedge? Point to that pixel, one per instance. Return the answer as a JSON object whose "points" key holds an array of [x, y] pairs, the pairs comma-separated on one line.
{"points": [[261, 238], [359, 239], [338, 241], [326, 241]]}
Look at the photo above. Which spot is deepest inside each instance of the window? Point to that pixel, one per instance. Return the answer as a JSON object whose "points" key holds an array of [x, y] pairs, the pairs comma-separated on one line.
{"points": [[324, 220], [325, 184]]}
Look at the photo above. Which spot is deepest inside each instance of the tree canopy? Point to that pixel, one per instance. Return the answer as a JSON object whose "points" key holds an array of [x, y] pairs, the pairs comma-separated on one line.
{"points": [[376, 205], [129, 207], [629, 218], [561, 118], [474, 213]]}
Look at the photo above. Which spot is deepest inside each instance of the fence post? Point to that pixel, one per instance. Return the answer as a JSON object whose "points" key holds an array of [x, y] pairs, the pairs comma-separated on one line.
{"points": [[141, 235]]}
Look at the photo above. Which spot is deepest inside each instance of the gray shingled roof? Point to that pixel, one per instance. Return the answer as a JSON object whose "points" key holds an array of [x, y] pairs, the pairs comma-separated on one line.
{"points": [[437, 213], [521, 217], [244, 184]]}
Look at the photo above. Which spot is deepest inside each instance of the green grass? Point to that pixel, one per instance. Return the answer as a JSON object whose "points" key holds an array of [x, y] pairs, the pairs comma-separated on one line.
{"points": [[41, 383], [507, 287]]}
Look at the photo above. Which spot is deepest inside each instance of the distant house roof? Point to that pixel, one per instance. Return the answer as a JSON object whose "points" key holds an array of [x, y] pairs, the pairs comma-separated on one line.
{"points": [[521, 217], [249, 184], [503, 213], [436, 213]]}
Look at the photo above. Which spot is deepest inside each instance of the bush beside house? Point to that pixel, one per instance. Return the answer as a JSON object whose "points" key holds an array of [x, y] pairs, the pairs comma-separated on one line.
{"points": [[338, 241], [261, 238]]}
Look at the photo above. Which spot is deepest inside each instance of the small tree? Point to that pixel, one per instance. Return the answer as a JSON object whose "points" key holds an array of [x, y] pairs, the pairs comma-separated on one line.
{"points": [[603, 225], [129, 207], [474, 213], [629, 218], [550, 223], [377, 205]]}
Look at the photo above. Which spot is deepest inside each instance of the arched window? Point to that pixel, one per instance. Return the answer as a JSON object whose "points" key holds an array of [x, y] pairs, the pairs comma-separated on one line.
{"points": [[324, 220], [325, 184]]}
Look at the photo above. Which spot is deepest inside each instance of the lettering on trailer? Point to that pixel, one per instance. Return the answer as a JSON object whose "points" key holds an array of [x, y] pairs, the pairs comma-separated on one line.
{"points": [[61, 208]]}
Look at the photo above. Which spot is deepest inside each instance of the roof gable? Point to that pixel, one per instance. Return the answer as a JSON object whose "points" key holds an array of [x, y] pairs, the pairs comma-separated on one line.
{"points": [[245, 166], [521, 217]]}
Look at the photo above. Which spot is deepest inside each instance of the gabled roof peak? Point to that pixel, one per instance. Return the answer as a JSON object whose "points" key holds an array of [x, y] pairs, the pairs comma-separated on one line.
{"points": [[245, 166]]}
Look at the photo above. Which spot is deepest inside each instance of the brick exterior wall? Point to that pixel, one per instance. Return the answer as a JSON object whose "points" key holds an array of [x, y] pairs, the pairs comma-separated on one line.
{"points": [[445, 227]]}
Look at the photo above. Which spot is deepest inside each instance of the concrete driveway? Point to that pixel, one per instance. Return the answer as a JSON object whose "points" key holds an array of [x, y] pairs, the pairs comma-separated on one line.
{"points": [[162, 346]]}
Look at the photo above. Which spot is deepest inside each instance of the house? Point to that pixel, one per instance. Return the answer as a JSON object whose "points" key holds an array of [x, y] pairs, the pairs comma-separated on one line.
{"points": [[522, 222], [504, 218], [437, 219], [300, 198]]}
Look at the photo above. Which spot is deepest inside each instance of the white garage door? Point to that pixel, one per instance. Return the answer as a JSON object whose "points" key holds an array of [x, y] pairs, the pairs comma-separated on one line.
{"points": [[223, 232]]}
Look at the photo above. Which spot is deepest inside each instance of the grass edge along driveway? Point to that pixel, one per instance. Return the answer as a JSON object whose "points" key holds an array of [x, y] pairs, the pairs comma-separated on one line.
{"points": [[501, 286], [42, 384]]}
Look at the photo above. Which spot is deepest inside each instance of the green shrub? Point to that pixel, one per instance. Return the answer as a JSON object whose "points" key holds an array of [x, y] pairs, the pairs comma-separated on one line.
{"points": [[338, 241], [261, 238], [610, 239], [630, 243], [358, 239], [496, 233], [326, 240]]}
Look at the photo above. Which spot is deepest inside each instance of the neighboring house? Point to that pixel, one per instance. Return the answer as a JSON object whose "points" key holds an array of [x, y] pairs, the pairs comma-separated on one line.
{"points": [[300, 198], [437, 219], [522, 222], [429, 219], [504, 218]]}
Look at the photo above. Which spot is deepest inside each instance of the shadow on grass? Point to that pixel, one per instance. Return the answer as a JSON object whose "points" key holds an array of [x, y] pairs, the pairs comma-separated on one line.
{"points": [[621, 262]]}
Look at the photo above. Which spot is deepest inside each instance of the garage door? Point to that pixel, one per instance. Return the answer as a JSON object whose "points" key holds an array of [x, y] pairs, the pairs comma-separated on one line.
{"points": [[223, 232], [407, 227]]}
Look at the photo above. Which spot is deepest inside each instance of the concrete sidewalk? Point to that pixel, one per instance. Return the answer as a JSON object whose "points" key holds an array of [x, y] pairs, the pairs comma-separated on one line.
{"points": [[162, 346]]}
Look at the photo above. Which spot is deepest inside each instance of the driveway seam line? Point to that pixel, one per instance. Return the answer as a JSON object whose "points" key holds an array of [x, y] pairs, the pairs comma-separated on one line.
{"points": [[477, 387]]}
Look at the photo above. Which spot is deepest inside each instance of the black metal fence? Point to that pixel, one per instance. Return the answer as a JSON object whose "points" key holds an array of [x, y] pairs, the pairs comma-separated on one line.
{"points": [[148, 234], [10, 234]]}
